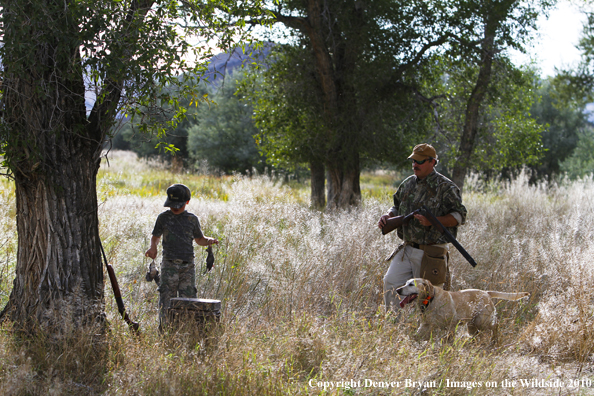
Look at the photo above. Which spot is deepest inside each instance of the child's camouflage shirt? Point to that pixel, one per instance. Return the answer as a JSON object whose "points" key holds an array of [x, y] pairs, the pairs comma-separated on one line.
{"points": [[178, 233]]}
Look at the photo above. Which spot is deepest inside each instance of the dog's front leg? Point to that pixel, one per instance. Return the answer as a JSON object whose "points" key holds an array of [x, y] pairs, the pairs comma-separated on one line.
{"points": [[424, 331]]}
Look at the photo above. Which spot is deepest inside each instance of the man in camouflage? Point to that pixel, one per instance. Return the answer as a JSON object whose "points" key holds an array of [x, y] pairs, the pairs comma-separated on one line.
{"points": [[178, 228], [424, 253]]}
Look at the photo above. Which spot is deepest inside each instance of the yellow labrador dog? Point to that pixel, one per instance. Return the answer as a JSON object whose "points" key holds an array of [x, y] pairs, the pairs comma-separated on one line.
{"points": [[444, 309]]}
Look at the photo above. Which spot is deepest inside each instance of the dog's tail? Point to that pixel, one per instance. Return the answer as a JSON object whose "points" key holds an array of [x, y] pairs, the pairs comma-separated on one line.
{"points": [[508, 296]]}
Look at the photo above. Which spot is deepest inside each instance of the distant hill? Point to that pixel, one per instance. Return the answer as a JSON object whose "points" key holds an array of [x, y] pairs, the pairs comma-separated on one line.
{"points": [[226, 63], [219, 66]]}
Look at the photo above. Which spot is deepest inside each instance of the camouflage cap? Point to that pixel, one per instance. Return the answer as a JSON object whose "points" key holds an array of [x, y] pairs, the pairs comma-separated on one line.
{"points": [[423, 151], [177, 196]]}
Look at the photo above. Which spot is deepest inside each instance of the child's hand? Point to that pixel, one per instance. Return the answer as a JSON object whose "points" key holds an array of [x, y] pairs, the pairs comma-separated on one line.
{"points": [[206, 241], [152, 253]]}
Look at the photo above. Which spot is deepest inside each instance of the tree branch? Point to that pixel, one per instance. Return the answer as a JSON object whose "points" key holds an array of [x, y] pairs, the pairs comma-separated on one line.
{"points": [[415, 61], [105, 106], [298, 23]]}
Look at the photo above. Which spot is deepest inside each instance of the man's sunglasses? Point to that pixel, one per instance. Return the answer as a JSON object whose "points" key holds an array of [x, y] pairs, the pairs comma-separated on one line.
{"points": [[421, 162]]}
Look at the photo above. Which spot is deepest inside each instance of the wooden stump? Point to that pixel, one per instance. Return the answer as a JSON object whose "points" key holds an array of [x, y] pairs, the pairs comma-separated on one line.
{"points": [[194, 314]]}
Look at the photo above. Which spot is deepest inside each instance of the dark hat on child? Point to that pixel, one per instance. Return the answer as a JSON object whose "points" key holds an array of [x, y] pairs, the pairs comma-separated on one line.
{"points": [[177, 196]]}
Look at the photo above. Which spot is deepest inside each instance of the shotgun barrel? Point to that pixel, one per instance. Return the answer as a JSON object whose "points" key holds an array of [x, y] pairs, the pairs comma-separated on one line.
{"points": [[448, 235]]}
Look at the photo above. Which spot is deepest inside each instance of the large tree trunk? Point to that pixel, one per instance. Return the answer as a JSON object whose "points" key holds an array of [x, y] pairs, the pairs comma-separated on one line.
{"points": [[59, 277], [318, 180], [346, 188], [53, 152], [335, 62]]}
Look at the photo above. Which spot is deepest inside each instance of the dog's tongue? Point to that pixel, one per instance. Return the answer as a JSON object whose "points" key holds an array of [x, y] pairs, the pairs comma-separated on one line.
{"points": [[407, 299]]}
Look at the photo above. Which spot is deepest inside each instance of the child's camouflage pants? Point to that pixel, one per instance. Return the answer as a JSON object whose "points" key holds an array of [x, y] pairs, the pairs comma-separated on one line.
{"points": [[178, 279]]}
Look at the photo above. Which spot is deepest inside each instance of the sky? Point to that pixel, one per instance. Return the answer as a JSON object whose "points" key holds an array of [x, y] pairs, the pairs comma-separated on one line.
{"points": [[555, 45]]}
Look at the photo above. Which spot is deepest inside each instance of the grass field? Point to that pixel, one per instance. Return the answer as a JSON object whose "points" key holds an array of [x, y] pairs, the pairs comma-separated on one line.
{"points": [[301, 292]]}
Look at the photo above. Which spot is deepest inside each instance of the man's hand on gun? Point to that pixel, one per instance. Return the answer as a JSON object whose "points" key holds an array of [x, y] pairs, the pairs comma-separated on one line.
{"points": [[382, 221], [423, 220], [388, 224]]}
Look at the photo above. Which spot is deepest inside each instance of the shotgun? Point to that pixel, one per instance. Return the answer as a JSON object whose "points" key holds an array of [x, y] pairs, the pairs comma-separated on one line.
{"points": [[118, 295]]}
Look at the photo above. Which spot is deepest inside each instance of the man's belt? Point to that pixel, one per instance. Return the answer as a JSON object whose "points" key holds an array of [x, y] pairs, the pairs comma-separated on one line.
{"points": [[433, 249], [421, 246]]}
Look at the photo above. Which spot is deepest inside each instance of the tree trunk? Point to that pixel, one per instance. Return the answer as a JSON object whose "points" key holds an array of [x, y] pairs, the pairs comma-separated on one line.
{"points": [[318, 179], [59, 276], [471, 122], [335, 63], [340, 109], [346, 189], [53, 152]]}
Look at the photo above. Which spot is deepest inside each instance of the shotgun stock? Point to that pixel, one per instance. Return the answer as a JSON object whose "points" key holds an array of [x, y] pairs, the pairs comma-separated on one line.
{"points": [[118, 295], [394, 222]]}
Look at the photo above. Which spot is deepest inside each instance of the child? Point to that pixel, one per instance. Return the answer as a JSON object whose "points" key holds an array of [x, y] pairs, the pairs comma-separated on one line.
{"points": [[178, 228]]}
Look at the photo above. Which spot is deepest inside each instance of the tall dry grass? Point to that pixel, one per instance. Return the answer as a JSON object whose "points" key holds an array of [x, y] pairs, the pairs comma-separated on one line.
{"points": [[301, 293]]}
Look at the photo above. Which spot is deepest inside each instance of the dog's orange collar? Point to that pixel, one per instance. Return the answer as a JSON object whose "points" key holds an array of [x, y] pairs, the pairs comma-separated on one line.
{"points": [[426, 302]]}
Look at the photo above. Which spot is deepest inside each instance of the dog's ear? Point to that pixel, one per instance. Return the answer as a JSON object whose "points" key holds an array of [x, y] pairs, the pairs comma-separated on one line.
{"points": [[430, 289], [427, 289]]}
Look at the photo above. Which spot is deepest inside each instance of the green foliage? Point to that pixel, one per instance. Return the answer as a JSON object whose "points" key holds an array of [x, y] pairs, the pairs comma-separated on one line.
{"points": [[289, 105], [512, 24], [379, 53], [286, 102], [581, 161], [130, 137], [577, 85], [569, 92], [516, 137], [508, 135], [395, 62], [223, 131], [567, 129], [487, 30], [217, 128]]}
